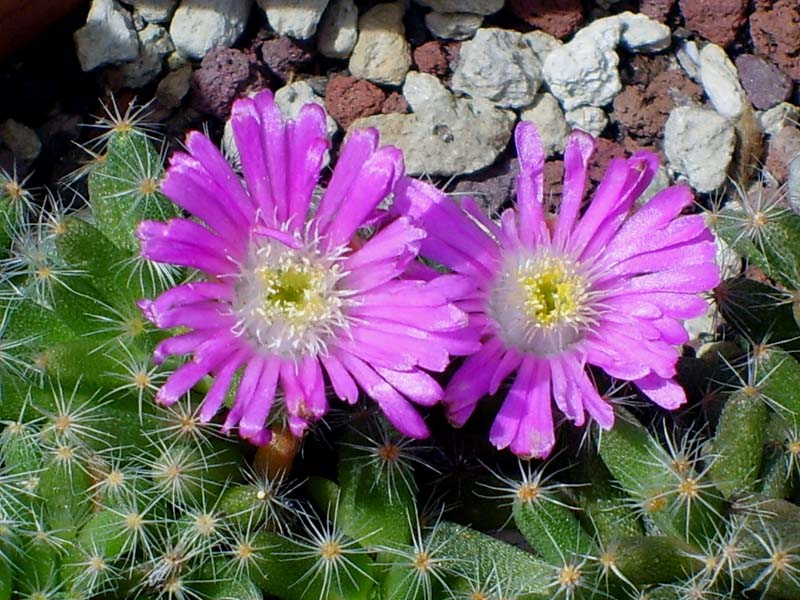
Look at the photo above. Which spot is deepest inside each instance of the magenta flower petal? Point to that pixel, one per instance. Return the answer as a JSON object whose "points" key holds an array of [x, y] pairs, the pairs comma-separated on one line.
{"points": [[254, 417], [471, 382], [225, 180], [359, 146], [215, 398], [396, 408], [290, 299], [664, 392], [609, 289], [530, 184], [579, 150], [342, 382], [307, 142], [377, 178], [416, 385], [515, 406], [248, 131], [535, 435]]}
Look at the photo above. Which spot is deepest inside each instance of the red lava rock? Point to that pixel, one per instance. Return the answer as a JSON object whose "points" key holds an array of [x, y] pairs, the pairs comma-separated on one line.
{"points": [[606, 151], [775, 29], [766, 85], [493, 187], [553, 179], [656, 9], [642, 113], [781, 149], [557, 17], [283, 55], [716, 20], [430, 58], [224, 74], [394, 103], [348, 98]]}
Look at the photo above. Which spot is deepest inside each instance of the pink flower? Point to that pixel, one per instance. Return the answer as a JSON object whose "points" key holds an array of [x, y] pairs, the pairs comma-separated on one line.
{"points": [[608, 286], [291, 297]]}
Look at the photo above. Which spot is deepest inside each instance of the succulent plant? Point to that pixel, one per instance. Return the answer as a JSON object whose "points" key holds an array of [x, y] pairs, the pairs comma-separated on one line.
{"points": [[106, 494]]}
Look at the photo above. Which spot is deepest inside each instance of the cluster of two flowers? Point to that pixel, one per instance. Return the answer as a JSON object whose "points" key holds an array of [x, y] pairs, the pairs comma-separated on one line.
{"points": [[292, 297]]}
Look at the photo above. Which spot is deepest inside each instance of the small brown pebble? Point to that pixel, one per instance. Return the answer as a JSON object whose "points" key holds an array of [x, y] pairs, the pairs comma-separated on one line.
{"points": [[394, 103], [775, 29], [283, 55], [766, 85], [431, 58], [348, 98], [559, 18], [716, 20]]}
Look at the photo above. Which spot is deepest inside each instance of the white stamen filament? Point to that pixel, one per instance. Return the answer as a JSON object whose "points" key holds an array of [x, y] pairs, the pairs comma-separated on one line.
{"points": [[542, 303], [288, 300]]}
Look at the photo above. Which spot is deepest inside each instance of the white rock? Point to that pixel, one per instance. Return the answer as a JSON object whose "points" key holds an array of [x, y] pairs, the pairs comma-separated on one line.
{"points": [[172, 89], [640, 33], [382, 53], [200, 25], [699, 143], [776, 118], [108, 36], [584, 71], [338, 29], [793, 184], [445, 135], [590, 119], [291, 98], [423, 91], [542, 43], [453, 26], [21, 140], [154, 11], [689, 58], [721, 82], [499, 65], [155, 44], [477, 7], [546, 114], [605, 32], [297, 18]]}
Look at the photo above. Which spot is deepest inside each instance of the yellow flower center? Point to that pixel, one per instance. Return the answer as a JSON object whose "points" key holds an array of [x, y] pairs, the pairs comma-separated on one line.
{"points": [[295, 293], [553, 293], [541, 303], [288, 299]]}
